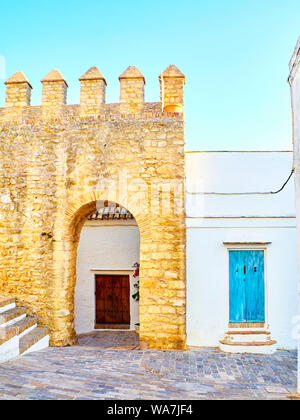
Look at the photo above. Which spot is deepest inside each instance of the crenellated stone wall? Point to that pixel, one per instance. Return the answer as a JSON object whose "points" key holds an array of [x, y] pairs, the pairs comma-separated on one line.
{"points": [[57, 162]]}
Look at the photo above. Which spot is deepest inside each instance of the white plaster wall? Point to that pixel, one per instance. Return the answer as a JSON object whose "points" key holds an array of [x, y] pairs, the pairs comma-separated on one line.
{"points": [[269, 219], [108, 246], [208, 279], [295, 97], [238, 172], [296, 118], [295, 92]]}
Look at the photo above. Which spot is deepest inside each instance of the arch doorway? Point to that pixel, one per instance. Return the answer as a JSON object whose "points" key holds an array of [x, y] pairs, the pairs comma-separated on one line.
{"points": [[161, 275], [108, 257]]}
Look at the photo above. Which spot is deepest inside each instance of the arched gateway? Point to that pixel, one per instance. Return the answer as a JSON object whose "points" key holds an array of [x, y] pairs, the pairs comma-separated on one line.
{"points": [[59, 163]]}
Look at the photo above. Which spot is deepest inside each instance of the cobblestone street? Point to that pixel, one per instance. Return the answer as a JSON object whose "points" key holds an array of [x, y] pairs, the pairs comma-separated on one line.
{"points": [[109, 365]]}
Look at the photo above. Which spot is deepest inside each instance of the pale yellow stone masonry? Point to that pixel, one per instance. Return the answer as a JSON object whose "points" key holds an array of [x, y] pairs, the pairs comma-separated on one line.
{"points": [[54, 159]]}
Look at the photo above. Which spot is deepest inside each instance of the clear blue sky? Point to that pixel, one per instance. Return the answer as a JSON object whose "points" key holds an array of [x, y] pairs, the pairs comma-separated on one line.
{"points": [[234, 53]]}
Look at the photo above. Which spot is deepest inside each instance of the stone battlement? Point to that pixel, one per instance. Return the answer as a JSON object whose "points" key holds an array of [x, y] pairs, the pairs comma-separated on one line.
{"points": [[92, 96]]}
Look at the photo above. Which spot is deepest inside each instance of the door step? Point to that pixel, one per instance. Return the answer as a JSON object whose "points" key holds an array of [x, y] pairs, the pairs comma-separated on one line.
{"points": [[112, 327], [253, 336], [18, 331], [255, 325], [257, 341], [248, 332]]}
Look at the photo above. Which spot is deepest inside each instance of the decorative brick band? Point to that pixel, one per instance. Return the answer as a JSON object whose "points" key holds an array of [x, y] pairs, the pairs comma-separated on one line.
{"points": [[103, 117]]}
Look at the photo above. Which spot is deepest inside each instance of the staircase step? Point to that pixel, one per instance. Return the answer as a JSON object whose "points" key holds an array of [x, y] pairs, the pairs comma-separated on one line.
{"points": [[248, 343], [6, 303], [32, 338], [6, 333], [247, 336], [243, 325], [19, 333], [250, 332], [11, 314], [252, 347]]}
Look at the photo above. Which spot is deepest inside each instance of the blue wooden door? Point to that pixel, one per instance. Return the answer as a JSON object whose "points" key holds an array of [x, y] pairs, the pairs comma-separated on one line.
{"points": [[246, 286]]}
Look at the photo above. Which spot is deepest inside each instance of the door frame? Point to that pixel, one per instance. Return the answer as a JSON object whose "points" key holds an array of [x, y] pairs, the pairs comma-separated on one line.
{"points": [[112, 272], [234, 246]]}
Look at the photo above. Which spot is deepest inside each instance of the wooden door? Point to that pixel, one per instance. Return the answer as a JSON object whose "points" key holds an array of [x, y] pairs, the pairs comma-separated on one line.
{"points": [[246, 286], [112, 301]]}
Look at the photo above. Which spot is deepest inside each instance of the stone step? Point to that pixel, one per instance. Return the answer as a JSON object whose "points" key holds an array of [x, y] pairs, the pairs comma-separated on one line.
{"points": [[254, 347], [11, 316], [7, 303], [248, 343], [31, 341], [248, 332], [247, 336], [247, 325], [7, 333], [19, 333]]}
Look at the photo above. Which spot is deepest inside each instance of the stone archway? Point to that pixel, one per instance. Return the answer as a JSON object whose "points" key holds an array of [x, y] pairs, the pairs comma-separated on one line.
{"points": [[108, 254], [162, 271]]}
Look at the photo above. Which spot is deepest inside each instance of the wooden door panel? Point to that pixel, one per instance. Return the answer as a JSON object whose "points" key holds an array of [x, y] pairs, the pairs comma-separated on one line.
{"points": [[108, 299], [237, 296], [117, 300], [100, 300], [246, 286], [255, 287], [112, 299]]}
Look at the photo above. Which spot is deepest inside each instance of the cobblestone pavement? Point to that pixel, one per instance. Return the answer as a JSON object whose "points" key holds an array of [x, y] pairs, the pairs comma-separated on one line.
{"points": [[109, 365]]}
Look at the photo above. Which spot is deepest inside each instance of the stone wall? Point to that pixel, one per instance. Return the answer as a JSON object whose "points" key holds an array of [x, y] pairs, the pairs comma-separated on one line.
{"points": [[57, 163]]}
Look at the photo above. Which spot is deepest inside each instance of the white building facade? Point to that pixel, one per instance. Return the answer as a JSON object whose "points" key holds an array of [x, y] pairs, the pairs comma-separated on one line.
{"points": [[229, 212], [294, 81]]}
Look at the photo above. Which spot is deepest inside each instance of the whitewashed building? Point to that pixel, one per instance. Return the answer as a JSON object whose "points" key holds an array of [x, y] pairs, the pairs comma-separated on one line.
{"points": [[230, 212], [237, 231], [294, 82]]}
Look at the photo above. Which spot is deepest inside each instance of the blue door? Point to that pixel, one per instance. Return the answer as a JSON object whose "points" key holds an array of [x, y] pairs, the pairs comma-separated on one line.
{"points": [[246, 286]]}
